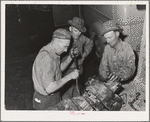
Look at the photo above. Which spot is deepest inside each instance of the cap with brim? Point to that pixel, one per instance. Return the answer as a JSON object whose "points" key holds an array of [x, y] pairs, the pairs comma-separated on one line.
{"points": [[111, 26], [77, 23]]}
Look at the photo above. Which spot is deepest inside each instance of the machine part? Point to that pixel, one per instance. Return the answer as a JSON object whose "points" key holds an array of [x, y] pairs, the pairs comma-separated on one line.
{"points": [[113, 85], [97, 97], [89, 102], [124, 99], [100, 89], [82, 104], [78, 106], [104, 92], [138, 101]]}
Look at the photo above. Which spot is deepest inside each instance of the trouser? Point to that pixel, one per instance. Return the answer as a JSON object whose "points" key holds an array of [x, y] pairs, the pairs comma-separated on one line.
{"points": [[42, 102], [69, 89]]}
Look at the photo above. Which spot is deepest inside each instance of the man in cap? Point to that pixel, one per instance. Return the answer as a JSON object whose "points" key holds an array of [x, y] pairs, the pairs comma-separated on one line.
{"points": [[82, 43], [47, 71], [118, 61]]}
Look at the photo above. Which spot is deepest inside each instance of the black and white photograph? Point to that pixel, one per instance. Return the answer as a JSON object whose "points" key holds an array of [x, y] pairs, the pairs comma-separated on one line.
{"points": [[75, 60]]}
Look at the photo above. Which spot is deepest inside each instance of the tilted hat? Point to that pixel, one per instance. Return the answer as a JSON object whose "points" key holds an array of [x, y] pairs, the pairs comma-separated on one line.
{"points": [[62, 34], [111, 26], [78, 23]]}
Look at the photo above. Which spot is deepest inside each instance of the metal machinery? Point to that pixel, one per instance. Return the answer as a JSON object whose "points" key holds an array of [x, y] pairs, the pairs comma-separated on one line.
{"points": [[98, 96]]}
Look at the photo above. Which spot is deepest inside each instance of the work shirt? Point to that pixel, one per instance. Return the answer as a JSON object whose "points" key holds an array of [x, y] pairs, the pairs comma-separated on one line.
{"points": [[85, 46], [121, 62], [46, 69]]}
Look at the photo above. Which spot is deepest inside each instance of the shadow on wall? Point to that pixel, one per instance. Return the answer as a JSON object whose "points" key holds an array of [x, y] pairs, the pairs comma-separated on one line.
{"points": [[123, 36]]}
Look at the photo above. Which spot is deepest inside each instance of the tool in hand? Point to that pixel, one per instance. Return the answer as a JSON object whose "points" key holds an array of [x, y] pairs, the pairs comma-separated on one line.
{"points": [[76, 65]]}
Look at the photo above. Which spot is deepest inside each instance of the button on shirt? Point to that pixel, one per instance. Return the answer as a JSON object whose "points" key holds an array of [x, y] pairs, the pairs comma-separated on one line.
{"points": [[120, 62], [46, 69]]}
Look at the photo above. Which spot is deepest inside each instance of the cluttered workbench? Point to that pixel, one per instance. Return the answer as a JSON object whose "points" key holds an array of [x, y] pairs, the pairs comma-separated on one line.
{"points": [[100, 96]]}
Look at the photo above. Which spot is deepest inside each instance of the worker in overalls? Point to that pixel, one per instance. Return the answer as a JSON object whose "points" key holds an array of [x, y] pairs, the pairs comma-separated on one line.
{"points": [[47, 71], [84, 46]]}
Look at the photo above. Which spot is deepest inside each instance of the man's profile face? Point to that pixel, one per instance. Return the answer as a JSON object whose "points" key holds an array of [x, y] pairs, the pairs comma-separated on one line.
{"points": [[111, 38], [62, 46], [75, 32]]}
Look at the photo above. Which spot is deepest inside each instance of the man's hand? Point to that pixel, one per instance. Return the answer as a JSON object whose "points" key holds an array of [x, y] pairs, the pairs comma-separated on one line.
{"points": [[74, 52], [74, 74], [71, 53], [112, 77]]}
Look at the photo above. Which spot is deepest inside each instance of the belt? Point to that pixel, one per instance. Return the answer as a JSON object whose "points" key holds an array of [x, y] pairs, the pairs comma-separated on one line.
{"points": [[45, 95]]}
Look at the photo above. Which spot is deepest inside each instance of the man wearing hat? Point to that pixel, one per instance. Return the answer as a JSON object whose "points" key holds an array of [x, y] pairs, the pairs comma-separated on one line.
{"points": [[118, 61], [47, 71], [82, 43]]}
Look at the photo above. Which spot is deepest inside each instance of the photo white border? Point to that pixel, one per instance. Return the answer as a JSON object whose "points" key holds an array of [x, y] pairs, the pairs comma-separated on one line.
{"points": [[7, 115]]}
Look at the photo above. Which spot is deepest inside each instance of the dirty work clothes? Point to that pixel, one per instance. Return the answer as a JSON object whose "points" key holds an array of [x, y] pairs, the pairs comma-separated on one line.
{"points": [[84, 45], [120, 61], [46, 69], [42, 102]]}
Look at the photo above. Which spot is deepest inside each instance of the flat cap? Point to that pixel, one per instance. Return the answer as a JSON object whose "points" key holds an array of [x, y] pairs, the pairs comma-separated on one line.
{"points": [[62, 34]]}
